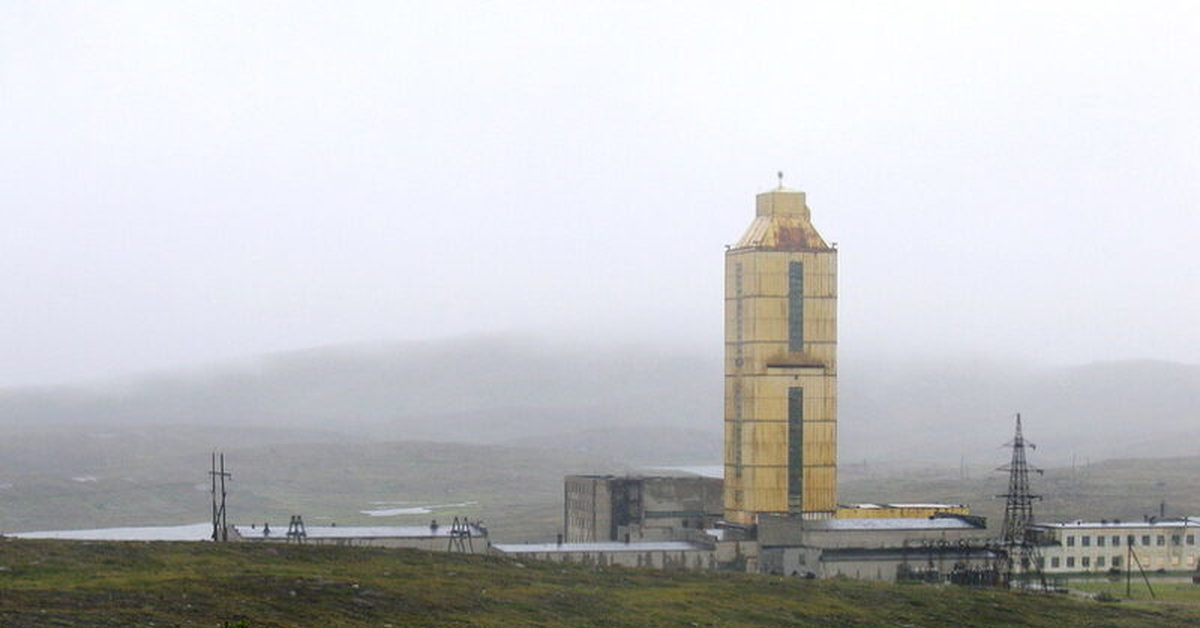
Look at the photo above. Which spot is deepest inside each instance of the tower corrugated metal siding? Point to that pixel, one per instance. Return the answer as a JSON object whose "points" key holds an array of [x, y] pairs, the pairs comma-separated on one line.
{"points": [[780, 365]]}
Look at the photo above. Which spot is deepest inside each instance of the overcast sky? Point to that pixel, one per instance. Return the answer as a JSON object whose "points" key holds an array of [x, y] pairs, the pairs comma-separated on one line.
{"points": [[186, 182]]}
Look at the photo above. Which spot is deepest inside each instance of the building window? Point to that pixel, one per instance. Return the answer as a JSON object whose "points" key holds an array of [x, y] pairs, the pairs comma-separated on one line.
{"points": [[1176, 539], [1086, 541], [1100, 540], [1146, 539], [795, 409], [1070, 541], [1191, 539], [1131, 540], [1070, 562], [1161, 540], [796, 306], [1085, 562], [1100, 562], [1116, 540], [1116, 561], [1054, 562]]}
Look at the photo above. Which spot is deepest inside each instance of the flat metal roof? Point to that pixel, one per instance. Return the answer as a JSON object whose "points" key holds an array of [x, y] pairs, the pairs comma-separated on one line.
{"points": [[889, 505], [1187, 522], [889, 523], [353, 532], [189, 532], [606, 546]]}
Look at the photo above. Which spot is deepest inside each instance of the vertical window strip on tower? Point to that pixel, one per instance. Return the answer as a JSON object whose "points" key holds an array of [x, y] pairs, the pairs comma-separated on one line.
{"points": [[796, 306], [795, 444], [737, 379]]}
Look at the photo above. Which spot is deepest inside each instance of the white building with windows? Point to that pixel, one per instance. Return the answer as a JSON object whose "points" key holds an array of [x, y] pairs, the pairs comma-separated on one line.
{"points": [[1099, 546]]}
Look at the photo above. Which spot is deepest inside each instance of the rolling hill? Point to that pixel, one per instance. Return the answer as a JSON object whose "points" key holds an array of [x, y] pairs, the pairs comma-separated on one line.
{"points": [[513, 390]]}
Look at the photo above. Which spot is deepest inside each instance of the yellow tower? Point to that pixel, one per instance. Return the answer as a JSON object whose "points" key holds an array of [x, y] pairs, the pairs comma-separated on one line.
{"points": [[780, 365]]}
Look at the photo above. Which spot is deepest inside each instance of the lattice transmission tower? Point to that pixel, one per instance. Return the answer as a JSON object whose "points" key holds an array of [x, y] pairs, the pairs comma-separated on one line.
{"points": [[1022, 557]]}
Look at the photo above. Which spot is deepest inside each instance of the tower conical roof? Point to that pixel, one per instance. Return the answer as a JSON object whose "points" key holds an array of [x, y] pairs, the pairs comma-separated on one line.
{"points": [[782, 223]]}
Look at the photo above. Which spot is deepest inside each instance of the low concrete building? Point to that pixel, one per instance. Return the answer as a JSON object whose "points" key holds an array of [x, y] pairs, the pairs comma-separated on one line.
{"points": [[1099, 546], [599, 508], [940, 548], [654, 555], [611, 520], [432, 538]]}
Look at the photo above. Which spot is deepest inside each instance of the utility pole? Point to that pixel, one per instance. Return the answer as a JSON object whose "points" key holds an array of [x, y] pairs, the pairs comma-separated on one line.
{"points": [[220, 525], [1128, 565], [1129, 571]]}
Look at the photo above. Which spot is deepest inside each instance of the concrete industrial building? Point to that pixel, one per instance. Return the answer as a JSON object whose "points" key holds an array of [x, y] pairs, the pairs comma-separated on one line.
{"points": [[654, 555], [1098, 546], [934, 548], [436, 538], [598, 508]]}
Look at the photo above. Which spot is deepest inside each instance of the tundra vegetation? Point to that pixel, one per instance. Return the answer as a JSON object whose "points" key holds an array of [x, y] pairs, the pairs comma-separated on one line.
{"points": [[64, 584]]}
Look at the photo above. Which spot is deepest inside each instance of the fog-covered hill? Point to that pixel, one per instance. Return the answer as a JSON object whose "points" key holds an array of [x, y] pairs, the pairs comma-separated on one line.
{"points": [[470, 390], [634, 401], [963, 409]]}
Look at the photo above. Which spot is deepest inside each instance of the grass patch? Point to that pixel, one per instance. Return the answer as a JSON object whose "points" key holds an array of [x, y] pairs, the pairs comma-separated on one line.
{"points": [[57, 583]]}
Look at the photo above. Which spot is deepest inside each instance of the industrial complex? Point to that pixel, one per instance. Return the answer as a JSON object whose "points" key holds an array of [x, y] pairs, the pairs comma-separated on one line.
{"points": [[776, 509]]}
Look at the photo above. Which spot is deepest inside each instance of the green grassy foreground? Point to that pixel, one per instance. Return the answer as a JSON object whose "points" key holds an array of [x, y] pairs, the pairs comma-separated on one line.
{"points": [[57, 583], [1171, 589]]}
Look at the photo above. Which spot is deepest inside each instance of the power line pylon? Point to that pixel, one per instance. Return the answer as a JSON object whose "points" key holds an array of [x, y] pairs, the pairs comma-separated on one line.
{"points": [[1022, 556], [460, 537], [220, 525], [296, 532]]}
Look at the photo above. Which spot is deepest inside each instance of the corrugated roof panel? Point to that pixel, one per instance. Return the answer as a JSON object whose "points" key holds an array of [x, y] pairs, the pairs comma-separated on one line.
{"points": [[354, 532], [940, 523], [609, 546]]}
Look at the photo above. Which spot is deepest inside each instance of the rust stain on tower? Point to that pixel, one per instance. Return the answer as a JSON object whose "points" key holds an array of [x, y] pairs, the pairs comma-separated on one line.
{"points": [[780, 365]]}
